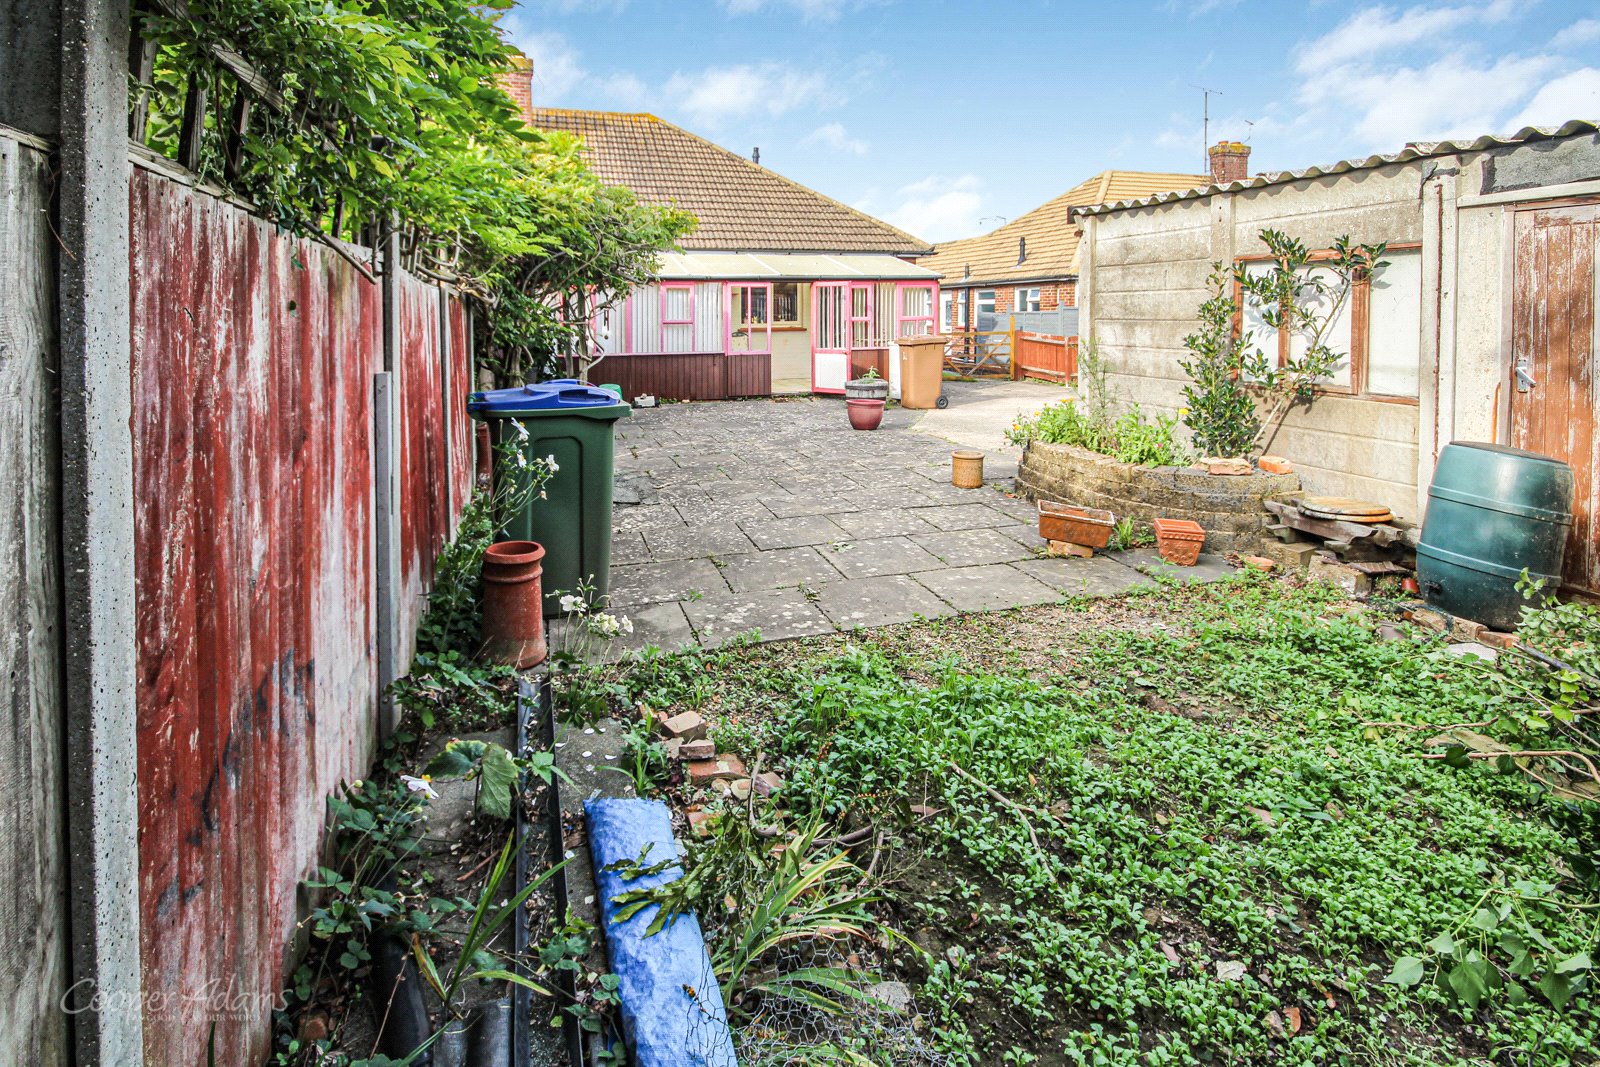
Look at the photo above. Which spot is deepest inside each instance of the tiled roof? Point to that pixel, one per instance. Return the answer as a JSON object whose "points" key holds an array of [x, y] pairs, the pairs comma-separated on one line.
{"points": [[1414, 150], [741, 206], [1052, 238]]}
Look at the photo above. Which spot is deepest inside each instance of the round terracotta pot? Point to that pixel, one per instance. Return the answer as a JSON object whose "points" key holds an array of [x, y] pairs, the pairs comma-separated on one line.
{"points": [[865, 414], [513, 603]]}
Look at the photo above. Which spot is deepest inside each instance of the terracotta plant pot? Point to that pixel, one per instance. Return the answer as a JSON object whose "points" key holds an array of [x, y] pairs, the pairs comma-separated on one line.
{"points": [[865, 414], [966, 469], [513, 604], [1179, 541], [1090, 527]]}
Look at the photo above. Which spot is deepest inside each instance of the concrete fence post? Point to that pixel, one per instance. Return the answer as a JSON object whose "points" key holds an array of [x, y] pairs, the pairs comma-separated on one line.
{"points": [[386, 541], [99, 648]]}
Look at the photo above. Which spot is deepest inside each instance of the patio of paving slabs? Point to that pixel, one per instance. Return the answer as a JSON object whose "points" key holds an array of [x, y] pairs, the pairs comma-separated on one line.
{"points": [[776, 516]]}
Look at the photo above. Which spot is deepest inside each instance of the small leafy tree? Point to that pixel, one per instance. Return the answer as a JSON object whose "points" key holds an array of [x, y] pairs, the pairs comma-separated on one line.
{"points": [[1301, 294]]}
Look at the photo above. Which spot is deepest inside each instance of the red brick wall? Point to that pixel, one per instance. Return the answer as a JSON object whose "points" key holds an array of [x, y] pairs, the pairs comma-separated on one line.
{"points": [[1051, 295]]}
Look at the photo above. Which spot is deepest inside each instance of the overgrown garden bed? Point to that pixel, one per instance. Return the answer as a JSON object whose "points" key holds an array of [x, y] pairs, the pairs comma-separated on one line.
{"points": [[1194, 825]]}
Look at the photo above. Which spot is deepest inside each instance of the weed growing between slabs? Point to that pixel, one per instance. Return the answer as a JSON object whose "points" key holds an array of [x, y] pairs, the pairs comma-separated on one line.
{"points": [[1165, 830]]}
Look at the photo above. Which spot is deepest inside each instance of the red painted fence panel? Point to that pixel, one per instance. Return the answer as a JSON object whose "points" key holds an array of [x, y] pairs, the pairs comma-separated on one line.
{"points": [[253, 361], [1046, 356]]}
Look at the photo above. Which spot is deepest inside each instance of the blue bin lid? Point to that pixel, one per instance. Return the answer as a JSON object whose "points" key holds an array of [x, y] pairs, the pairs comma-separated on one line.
{"points": [[541, 396]]}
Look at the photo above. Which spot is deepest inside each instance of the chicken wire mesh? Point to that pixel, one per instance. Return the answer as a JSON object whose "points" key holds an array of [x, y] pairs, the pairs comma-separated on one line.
{"points": [[855, 1020]]}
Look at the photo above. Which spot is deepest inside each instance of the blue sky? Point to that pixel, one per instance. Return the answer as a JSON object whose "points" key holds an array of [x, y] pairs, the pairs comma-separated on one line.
{"points": [[946, 118]]}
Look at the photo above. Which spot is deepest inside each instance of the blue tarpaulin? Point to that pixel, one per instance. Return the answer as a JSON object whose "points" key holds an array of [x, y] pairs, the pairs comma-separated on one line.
{"points": [[672, 1010]]}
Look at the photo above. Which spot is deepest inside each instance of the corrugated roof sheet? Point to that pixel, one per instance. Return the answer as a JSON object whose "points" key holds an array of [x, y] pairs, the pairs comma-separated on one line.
{"points": [[796, 266], [741, 206], [1052, 241], [1413, 151]]}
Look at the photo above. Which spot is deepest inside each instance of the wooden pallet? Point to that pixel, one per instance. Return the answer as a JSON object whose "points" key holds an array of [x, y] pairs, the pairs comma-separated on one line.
{"points": [[1397, 535]]}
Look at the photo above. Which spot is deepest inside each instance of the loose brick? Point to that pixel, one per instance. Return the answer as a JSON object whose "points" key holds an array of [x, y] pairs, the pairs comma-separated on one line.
{"points": [[1466, 631], [722, 768], [1260, 563], [1275, 465], [1429, 620], [687, 726], [695, 750], [1496, 639], [700, 822], [767, 783]]}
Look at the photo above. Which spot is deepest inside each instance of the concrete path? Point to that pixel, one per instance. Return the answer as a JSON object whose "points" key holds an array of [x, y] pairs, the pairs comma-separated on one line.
{"points": [[980, 413], [776, 516]]}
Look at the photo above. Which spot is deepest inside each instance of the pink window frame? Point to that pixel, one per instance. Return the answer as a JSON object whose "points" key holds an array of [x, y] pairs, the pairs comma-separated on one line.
{"points": [[665, 322], [851, 318], [900, 318], [727, 317]]}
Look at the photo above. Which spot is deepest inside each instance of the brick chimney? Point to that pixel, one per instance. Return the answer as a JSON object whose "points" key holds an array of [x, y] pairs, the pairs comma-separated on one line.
{"points": [[1230, 162], [518, 85]]}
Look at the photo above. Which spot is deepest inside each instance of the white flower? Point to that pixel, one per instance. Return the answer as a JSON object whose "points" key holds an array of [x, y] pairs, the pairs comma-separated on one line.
{"points": [[420, 785], [606, 625], [550, 461], [572, 603], [627, 625], [522, 431]]}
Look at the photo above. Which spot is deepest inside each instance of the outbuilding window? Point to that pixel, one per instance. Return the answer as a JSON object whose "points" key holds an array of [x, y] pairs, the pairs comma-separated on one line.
{"points": [[986, 301], [1379, 326], [1027, 299]]}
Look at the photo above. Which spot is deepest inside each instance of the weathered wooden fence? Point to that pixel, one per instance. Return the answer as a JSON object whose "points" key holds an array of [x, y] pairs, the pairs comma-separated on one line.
{"points": [[33, 877], [979, 353], [254, 354], [1051, 358]]}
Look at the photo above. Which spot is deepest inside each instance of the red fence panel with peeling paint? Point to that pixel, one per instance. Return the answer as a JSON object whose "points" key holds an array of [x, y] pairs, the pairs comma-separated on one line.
{"points": [[253, 357], [461, 369]]}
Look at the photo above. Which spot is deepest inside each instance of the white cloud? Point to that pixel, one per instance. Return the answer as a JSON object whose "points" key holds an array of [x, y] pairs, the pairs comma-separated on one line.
{"points": [[1571, 96], [808, 10], [936, 208], [1581, 32], [717, 94], [1446, 98], [835, 136], [624, 92], [557, 65], [1195, 8], [1374, 30]]}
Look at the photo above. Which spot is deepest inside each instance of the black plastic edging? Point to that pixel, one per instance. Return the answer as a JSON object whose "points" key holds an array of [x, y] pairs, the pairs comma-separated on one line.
{"points": [[536, 718]]}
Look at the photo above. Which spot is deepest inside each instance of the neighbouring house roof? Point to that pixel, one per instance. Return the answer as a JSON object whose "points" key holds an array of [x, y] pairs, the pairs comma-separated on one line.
{"points": [[789, 266], [742, 207], [1052, 240], [1413, 151]]}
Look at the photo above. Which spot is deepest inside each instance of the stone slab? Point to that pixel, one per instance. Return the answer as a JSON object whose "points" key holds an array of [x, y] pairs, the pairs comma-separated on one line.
{"points": [[690, 542], [962, 516], [973, 548], [791, 533], [884, 522], [879, 601], [653, 583], [1208, 568], [991, 588], [780, 568], [778, 614], [879, 556], [627, 546], [1099, 576]]}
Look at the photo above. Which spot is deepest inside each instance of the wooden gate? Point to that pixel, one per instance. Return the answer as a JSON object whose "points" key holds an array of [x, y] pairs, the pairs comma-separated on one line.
{"points": [[1553, 392]]}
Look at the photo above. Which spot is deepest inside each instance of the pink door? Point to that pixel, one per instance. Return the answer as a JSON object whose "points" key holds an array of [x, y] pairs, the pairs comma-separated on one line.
{"points": [[830, 336]]}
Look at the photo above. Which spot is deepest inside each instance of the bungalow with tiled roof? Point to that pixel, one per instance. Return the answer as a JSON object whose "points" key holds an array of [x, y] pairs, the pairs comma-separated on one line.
{"points": [[1031, 263], [778, 289]]}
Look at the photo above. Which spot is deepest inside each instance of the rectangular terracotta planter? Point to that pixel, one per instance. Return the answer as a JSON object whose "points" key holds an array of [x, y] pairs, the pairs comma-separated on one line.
{"points": [[1179, 541], [1081, 526]]}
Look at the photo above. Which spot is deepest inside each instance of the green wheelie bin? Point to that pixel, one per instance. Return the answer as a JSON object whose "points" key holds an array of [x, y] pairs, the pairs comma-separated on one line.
{"points": [[571, 423]]}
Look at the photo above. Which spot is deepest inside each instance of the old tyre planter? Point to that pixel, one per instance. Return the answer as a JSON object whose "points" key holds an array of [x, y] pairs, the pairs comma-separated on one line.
{"points": [[865, 414], [513, 610]]}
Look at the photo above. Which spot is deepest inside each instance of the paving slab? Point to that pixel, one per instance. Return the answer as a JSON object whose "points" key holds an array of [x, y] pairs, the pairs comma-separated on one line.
{"points": [[884, 522], [789, 506], [653, 583], [627, 546], [972, 548], [991, 588], [961, 516], [879, 601], [645, 516], [778, 614], [1097, 576], [790, 533], [879, 556], [1208, 568], [780, 568], [689, 542]]}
